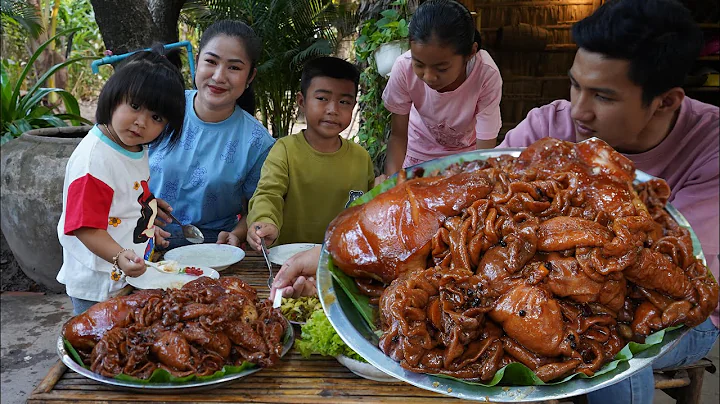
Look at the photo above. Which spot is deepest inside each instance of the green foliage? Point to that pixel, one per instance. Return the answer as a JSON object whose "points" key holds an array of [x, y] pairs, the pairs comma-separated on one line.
{"points": [[21, 13], [319, 336], [374, 129], [86, 42], [292, 32], [23, 112], [393, 26], [18, 44]]}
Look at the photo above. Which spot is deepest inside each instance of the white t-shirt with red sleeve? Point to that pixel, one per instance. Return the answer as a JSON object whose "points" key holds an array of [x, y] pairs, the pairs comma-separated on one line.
{"points": [[106, 187], [445, 123]]}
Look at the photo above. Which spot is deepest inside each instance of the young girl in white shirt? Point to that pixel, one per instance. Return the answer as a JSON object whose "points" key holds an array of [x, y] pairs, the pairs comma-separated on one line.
{"points": [[106, 227]]}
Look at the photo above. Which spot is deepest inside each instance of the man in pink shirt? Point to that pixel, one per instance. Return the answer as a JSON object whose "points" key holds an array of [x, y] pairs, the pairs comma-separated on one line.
{"points": [[626, 88]]}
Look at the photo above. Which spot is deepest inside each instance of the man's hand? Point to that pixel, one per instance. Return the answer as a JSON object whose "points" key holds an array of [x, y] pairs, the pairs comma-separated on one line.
{"points": [[297, 275]]}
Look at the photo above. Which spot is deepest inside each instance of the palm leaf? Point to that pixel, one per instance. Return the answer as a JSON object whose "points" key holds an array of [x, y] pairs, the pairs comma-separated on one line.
{"points": [[33, 58], [75, 119], [54, 69], [24, 14], [6, 94], [47, 121], [320, 47]]}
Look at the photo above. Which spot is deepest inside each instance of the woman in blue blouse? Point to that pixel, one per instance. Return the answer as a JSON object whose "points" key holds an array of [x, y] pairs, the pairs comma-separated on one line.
{"points": [[215, 167]]}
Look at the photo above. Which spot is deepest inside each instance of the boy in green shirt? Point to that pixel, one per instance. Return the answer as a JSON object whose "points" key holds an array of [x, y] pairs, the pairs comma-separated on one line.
{"points": [[308, 177]]}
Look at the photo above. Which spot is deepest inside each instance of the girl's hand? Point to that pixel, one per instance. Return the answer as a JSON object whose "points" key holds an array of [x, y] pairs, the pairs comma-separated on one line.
{"points": [[259, 230], [297, 275], [227, 237], [380, 179], [162, 218], [131, 264], [160, 237]]}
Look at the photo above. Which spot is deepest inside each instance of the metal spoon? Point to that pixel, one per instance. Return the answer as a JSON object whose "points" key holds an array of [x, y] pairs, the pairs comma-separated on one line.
{"points": [[191, 233]]}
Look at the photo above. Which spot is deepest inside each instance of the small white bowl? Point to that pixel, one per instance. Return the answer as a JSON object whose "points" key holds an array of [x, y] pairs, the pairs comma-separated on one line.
{"points": [[365, 370]]}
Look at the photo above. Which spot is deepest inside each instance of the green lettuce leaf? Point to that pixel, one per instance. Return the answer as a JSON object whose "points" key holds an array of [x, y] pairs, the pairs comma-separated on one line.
{"points": [[319, 336]]}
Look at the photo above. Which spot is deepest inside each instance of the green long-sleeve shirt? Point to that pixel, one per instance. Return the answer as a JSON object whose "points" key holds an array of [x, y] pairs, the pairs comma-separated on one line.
{"points": [[301, 190]]}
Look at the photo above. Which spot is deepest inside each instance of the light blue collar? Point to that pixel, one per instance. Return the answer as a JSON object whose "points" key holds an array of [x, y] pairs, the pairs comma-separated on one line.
{"points": [[133, 155]]}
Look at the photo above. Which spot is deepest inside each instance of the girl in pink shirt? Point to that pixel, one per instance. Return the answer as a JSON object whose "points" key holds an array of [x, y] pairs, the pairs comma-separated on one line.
{"points": [[443, 93]]}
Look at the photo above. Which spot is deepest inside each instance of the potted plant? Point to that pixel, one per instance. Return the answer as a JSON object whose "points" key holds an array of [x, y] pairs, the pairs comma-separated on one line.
{"points": [[374, 118], [37, 144], [24, 112], [385, 39]]}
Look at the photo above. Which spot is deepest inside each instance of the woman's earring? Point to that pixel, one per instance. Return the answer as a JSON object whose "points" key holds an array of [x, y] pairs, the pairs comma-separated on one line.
{"points": [[247, 86]]}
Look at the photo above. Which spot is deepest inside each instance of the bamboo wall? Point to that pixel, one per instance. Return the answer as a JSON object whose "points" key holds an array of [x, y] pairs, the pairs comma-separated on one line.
{"points": [[531, 78]]}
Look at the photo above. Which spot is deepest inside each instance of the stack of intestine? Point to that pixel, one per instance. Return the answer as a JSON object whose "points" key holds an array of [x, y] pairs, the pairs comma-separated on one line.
{"points": [[553, 259], [197, 329]]}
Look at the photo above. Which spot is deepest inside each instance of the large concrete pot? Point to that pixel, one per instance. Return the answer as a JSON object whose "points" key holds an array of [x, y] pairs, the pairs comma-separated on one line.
{"points": [[32, 170]]}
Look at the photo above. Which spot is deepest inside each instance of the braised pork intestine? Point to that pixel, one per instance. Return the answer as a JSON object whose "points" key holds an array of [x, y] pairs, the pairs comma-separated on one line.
{"points": [[552, 259], [196, 329]]}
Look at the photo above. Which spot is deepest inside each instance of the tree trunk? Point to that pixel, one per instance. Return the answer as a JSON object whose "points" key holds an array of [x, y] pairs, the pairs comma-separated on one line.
{"points": [[165, 14], [128, 25]]}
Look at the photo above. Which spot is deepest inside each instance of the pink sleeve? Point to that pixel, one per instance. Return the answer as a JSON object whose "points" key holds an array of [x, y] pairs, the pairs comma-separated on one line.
{"points": [[534, 127], [487, 119], [396, 95], [88, 204], [698, 202]]}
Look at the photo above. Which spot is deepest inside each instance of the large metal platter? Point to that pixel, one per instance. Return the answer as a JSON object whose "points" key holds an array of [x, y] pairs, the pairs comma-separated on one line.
{"points": [[166, 388], [354, 331]]}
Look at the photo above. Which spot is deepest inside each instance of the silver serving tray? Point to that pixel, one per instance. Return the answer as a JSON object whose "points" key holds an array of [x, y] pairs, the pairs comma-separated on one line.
{"points": [[167, 388], [354, 331]]}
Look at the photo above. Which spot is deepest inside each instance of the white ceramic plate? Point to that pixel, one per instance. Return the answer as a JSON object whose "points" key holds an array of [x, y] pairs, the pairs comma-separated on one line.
{"points": [[154, 279], [215, 256], [280, 254], [365, 370]]}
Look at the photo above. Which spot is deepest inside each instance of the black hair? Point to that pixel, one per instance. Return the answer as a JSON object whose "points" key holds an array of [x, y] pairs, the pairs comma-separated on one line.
{"points": [[659, 38], [447, 22], [328, 66], [253, 48], [150, 80]]}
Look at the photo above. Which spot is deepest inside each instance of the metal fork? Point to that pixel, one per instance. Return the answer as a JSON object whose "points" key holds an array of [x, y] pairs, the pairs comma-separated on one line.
{"points": [[267, 260]]}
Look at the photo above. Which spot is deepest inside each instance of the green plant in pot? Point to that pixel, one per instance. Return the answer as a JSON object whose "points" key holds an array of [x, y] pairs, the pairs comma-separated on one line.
{"points": [[385, 39], [24, 112], [389, 31]]}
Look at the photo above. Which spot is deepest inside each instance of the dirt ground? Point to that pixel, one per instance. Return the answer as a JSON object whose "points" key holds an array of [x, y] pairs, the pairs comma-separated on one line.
{"points": [[12, 278]]}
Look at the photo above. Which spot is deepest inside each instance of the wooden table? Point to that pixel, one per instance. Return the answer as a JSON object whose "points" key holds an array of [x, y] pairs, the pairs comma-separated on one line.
{"points": [[295, 380]]}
